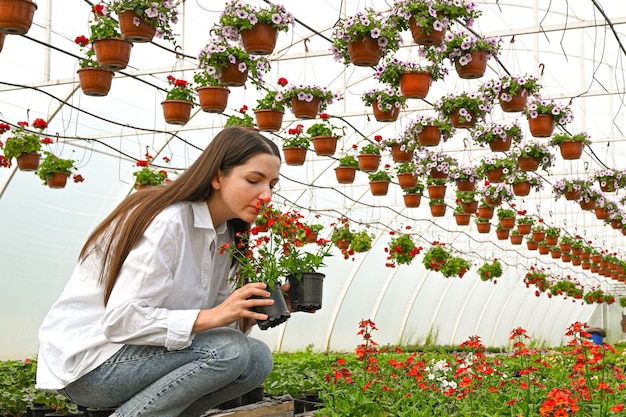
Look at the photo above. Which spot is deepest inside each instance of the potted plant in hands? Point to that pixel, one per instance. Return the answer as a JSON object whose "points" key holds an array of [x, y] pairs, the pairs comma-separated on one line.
{"points": [[295, 145], [386, 103], [112, 51], [141, 20], [413, 79], [498, 136], [94, 81], [178, 101], [464, 109], [571, 146], [512, 91], [306, 101], [257, 27], [543, 115], [364, 38], [270, 110], [324, 136], [401, 249], [346, 170], [149, 176], [54, 171], [23, 145], [490, 270]]}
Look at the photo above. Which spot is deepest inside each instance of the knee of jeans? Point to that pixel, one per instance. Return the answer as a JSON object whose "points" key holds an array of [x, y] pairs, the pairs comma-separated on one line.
{"points": [[233, 347], [262, 356]]}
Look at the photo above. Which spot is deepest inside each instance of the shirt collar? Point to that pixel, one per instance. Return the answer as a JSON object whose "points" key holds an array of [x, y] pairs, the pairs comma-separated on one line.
{"points": [[203, 220]]}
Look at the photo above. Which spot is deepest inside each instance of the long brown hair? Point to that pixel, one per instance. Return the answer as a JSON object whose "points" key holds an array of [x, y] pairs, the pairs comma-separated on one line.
{"points": [[120, 231]]}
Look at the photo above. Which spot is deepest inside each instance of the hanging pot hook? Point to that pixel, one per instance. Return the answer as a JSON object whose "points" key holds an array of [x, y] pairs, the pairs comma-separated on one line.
{"points": [[542, 66]]}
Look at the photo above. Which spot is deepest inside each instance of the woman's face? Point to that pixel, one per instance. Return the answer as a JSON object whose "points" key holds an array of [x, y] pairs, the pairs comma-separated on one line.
{"points": [[237, 193]]}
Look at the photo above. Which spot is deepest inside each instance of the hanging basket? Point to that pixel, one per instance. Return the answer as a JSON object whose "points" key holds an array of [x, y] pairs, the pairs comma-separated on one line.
{"points": [[502, 234], [213, 99], [541, 126], [436, 192], [95, 82], [368, 162], [345, 175], [571, 150], [379, 188], [469, 208], [608, 186], [573, 195], [429, 136], [539, 236], [501, 145], [524, 228], [462, 219], [176, 112], [260, 39], [465, 185], [398, 155], [455, 119], [527, 163], [364, 52], [113, 53], [141, 33], [495, 175], [324, 145], [407, 180], [439, 175], [485, 212], [507, 223], [521, 189], [230, 76], [475, 68], [412, 200], [516, 239], [415, 84], [294, 156], [421, 37], [483, 227], [28, 161], [58, 180], [517, 102], [16, 16], [385, 115], [438, 210], [269, 120], [305, 109], [493, 201]]}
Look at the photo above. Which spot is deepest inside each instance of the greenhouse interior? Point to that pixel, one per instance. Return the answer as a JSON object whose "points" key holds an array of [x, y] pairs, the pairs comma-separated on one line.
{"points": [[572, 51]]}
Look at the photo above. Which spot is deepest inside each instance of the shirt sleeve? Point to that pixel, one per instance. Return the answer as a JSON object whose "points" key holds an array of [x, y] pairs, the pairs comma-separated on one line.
{"points": [[134, 313]]}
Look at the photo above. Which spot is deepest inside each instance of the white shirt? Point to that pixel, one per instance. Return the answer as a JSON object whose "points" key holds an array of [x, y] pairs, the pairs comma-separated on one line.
{"points": [[173, 272]]}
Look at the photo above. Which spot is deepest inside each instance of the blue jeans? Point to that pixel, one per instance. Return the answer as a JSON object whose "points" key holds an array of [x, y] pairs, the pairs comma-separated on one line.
{"points": [[221, 364]]}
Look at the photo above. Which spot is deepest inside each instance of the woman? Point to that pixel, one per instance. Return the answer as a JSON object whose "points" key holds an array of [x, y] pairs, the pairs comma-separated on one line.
{"points": [[148, 320]]}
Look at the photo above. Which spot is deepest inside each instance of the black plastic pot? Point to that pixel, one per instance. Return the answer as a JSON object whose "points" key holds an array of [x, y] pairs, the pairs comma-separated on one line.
{"points": [[100, 412], [277, 313], [306, 293]]}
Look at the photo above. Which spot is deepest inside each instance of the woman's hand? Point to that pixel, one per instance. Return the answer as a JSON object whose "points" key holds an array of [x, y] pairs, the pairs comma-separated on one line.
{"points": [[237, 306]]}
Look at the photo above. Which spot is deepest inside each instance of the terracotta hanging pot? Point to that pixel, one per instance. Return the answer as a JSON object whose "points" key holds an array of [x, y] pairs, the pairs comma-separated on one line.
{"points": [[429, 136], [412, 200], [260, 39], [539, 236], [601, 213], [527, 163], [436, 192], [532, 245], [485, 212], [495, 201], [523, 228], [213, 99], [95, 81], [521, 189], [294, 156], [555, 253], [475, 68], [368, 162], [551, 240], [571, 150], [385, 115], [462, 219], [516, 239], [58, 180], [544, 249], [113, 53], [507, 223], [143, 32], [438, 210], [541, 126], [379, 188], [343, 244], [565, 247], [456, 121], [407, 180], [465, 185], [415, 84], [572, 195], [324, 145], [502, 234], [495, 175], [28, 161], [305, 109], [469, 208], [268, 120], [501, 145], [608, 186], [483, 227], [230, 75], [436, 174], [421, 37], [16, 16], [345, 175], [399, 155], [176, 112], [517, 102], [364, 52]]}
